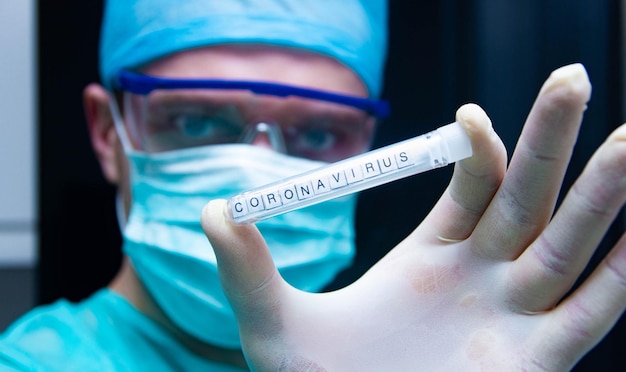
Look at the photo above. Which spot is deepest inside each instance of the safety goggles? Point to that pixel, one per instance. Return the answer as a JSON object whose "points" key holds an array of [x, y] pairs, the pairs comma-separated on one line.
{"points": [[163, 114]]}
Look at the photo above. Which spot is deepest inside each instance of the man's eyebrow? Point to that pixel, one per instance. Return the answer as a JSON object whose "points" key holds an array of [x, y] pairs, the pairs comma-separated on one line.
{"points": [[204, 97]]}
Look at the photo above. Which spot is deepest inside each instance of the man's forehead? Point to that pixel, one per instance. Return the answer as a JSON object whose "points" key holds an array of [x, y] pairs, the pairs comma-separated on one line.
{"points": [[261, 63]]}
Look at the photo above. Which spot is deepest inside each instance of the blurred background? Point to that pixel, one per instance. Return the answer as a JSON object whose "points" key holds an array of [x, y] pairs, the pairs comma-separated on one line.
{"points": [[58, 232]]}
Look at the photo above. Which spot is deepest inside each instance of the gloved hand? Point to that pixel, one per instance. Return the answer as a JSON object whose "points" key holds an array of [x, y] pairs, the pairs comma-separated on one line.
{"points": [[479, 285]]}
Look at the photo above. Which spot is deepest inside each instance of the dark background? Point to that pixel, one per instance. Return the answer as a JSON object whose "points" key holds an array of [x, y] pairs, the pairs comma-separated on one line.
{"points": [[441, 55]]}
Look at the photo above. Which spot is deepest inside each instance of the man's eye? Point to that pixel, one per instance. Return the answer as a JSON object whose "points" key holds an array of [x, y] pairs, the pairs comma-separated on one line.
{"points": [[201, 126], [316, 139]]}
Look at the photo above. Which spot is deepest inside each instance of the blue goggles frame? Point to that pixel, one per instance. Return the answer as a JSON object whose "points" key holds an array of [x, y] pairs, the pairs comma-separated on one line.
{"points": [[143, 84]]}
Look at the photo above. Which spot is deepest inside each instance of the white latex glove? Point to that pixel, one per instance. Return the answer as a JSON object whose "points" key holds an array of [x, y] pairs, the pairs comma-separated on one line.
{"points": [[479, 285]]}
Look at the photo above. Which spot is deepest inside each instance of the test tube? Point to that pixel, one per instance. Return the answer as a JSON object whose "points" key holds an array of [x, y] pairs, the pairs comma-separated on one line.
{"points": [[432, 150]]}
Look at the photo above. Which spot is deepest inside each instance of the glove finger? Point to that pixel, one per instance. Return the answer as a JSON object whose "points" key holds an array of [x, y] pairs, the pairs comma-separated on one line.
{"points": [[579, 322], [474, 182], [245, 267], [550, 266], [526, 199]]}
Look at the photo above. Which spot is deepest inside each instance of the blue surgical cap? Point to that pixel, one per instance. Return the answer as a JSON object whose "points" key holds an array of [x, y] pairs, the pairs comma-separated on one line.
{"points": [[136, 32]]}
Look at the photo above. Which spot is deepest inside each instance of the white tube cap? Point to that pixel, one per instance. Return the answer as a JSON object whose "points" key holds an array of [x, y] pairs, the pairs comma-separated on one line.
{"points": [[456, 141]]}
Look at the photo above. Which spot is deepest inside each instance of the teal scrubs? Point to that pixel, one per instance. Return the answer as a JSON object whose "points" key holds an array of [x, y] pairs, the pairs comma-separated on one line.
{"points": [[102, 333]]}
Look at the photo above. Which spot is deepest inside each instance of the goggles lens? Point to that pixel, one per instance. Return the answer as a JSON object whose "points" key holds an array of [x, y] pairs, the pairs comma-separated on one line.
{"points": [[179, 116]]}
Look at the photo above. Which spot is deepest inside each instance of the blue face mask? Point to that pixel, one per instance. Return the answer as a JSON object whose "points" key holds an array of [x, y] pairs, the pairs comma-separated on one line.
{"points": [[173, 257]]}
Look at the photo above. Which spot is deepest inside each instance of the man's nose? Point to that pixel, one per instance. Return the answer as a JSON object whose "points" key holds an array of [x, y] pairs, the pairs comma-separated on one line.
{"points": [[262, 140], [265, 135]]}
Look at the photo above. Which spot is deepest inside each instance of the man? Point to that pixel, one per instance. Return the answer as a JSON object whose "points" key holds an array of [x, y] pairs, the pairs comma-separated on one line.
{"points": [[474, 286], [160, 319]]}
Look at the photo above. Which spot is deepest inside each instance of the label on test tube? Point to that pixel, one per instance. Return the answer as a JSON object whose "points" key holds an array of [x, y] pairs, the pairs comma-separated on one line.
{"points": [[436, 149]]}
